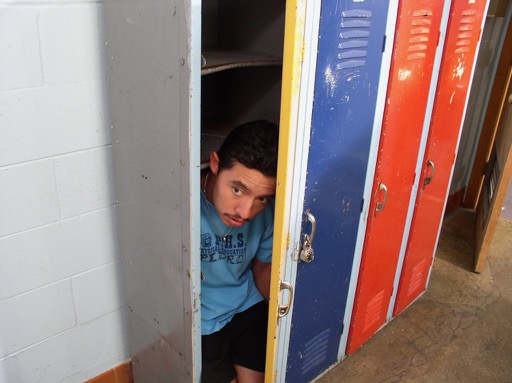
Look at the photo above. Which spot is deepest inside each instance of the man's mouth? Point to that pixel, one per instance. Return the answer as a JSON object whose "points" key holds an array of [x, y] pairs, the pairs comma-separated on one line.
{"points": [[235, 220]]}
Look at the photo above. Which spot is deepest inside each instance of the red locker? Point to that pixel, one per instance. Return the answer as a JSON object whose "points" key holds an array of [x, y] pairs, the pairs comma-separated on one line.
{"points": [[414, 51], [461, 45]]}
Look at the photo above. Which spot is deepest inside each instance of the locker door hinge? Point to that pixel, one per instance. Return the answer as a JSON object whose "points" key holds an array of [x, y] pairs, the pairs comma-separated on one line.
{"points": [[384, 43], [342, 328], [362, 206]]}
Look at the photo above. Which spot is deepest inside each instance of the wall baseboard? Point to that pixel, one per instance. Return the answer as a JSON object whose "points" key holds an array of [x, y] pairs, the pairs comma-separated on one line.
{"points": [[119, 374]]}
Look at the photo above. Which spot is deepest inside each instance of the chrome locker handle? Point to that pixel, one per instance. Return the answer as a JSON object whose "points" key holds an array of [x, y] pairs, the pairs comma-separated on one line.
{"points": [[311, 218], [429, 179], [381, 205], [284, 309]]}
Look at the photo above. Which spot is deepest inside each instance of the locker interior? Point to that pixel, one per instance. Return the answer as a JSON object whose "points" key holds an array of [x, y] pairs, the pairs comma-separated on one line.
{"points": [[241, 65]]}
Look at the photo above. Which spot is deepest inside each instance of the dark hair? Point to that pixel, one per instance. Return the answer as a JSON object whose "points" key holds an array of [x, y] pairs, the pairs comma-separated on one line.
{"points": [[254, 145]]}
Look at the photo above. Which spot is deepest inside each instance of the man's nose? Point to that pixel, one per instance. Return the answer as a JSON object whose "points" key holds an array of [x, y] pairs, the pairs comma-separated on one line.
{"points": [[244, 208]]}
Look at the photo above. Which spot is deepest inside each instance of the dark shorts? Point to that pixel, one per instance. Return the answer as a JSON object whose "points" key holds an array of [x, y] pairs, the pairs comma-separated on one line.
{"points": [[242, 341]]}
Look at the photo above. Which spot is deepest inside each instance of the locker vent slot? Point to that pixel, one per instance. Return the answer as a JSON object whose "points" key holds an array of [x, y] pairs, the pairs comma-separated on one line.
{"points": [[315, 351], [416, 278], [420, 33], [355, 32], [466, 28], [373, 311]]}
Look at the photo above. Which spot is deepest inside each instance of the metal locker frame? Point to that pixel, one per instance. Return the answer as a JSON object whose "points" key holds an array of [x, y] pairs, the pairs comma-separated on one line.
{"points": [[415, 46]]}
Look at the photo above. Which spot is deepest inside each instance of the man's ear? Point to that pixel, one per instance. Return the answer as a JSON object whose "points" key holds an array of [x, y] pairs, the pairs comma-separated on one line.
{"points": [[214, 163]]}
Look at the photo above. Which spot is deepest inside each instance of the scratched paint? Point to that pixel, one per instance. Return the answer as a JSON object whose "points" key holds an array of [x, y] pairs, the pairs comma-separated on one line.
{"points": [[330, 81], [404, 74], [458, 71], [351, 76], [452, 96]]}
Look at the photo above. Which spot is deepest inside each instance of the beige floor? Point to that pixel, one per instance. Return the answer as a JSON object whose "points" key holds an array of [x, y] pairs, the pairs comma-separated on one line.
{"points": [[460, 330]]}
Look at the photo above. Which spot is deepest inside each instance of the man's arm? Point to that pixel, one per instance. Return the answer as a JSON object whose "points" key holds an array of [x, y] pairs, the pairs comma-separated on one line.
{"points": [[262, 271]]}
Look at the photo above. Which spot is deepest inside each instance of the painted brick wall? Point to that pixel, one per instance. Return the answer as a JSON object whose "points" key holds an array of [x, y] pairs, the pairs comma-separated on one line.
{"points": [[62, 311]]}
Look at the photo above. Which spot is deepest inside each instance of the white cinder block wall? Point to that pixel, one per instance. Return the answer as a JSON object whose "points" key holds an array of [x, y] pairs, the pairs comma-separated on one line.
{"points": [[62, 311]]}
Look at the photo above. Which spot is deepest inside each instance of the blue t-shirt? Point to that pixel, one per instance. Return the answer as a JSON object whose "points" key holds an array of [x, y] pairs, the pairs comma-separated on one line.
{"points": [[227, 285]]}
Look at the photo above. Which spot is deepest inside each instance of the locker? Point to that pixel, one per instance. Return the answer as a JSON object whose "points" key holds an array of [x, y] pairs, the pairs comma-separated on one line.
{"points": [[350, 50], [180, 76], [456, 72], [414, 51], [173, 93]]}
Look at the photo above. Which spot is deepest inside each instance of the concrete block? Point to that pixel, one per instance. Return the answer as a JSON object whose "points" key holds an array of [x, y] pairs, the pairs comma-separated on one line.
{"points": [[76, 378], [68, 353], [72, 43], [28, 197], [20, 61], [43, 122], [85, 181], [34, 258], [32, 317], [106, 365], [9, 371], [98, 292]]}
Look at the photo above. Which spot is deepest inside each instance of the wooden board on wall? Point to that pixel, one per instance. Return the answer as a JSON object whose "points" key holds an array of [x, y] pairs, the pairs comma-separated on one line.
{"points": [[496, 180], [490, 124]]}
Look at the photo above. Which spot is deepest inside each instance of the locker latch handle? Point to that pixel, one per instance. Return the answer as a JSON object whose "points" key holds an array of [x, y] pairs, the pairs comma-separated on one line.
{"points": [[381, 205], [284, 309], [429, 179], [307, 254]]}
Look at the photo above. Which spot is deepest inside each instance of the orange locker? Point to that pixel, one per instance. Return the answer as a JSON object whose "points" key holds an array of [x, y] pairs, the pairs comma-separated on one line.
{"points": [[456, 72], [416, 39]]}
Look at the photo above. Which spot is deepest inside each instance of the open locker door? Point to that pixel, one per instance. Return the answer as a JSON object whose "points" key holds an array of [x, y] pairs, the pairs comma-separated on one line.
{"points": [[498, 173], [324, 179], [154, 111]]}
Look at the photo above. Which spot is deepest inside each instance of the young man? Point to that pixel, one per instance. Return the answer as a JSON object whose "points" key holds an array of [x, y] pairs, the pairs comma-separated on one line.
{"points": [[237, 215]]}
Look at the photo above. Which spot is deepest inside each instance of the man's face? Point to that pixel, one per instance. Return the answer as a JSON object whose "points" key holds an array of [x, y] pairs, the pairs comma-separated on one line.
{"points": [[241, 193]]}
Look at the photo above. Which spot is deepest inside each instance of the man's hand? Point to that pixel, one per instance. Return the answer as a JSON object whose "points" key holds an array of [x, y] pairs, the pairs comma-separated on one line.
{"points": [[262, 273]]}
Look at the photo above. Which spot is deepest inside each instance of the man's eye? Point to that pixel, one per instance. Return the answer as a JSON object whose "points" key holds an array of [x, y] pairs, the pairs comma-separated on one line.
{"points": [[237, 191], [264, 200]]}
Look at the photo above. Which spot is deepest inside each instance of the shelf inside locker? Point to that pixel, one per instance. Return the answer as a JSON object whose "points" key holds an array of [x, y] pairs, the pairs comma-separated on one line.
{"points": [[210, 141], [216, 61]]}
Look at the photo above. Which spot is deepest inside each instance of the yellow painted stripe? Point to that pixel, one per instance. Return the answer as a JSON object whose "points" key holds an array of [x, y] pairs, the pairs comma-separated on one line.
{"points": [[292, 64]]}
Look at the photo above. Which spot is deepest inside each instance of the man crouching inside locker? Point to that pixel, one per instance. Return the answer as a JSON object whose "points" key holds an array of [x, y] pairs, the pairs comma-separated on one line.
{"points": [[237, 227]]}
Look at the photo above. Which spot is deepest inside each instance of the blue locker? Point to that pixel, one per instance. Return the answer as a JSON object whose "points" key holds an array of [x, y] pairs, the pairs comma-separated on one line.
{"points": [[351, 42]]}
